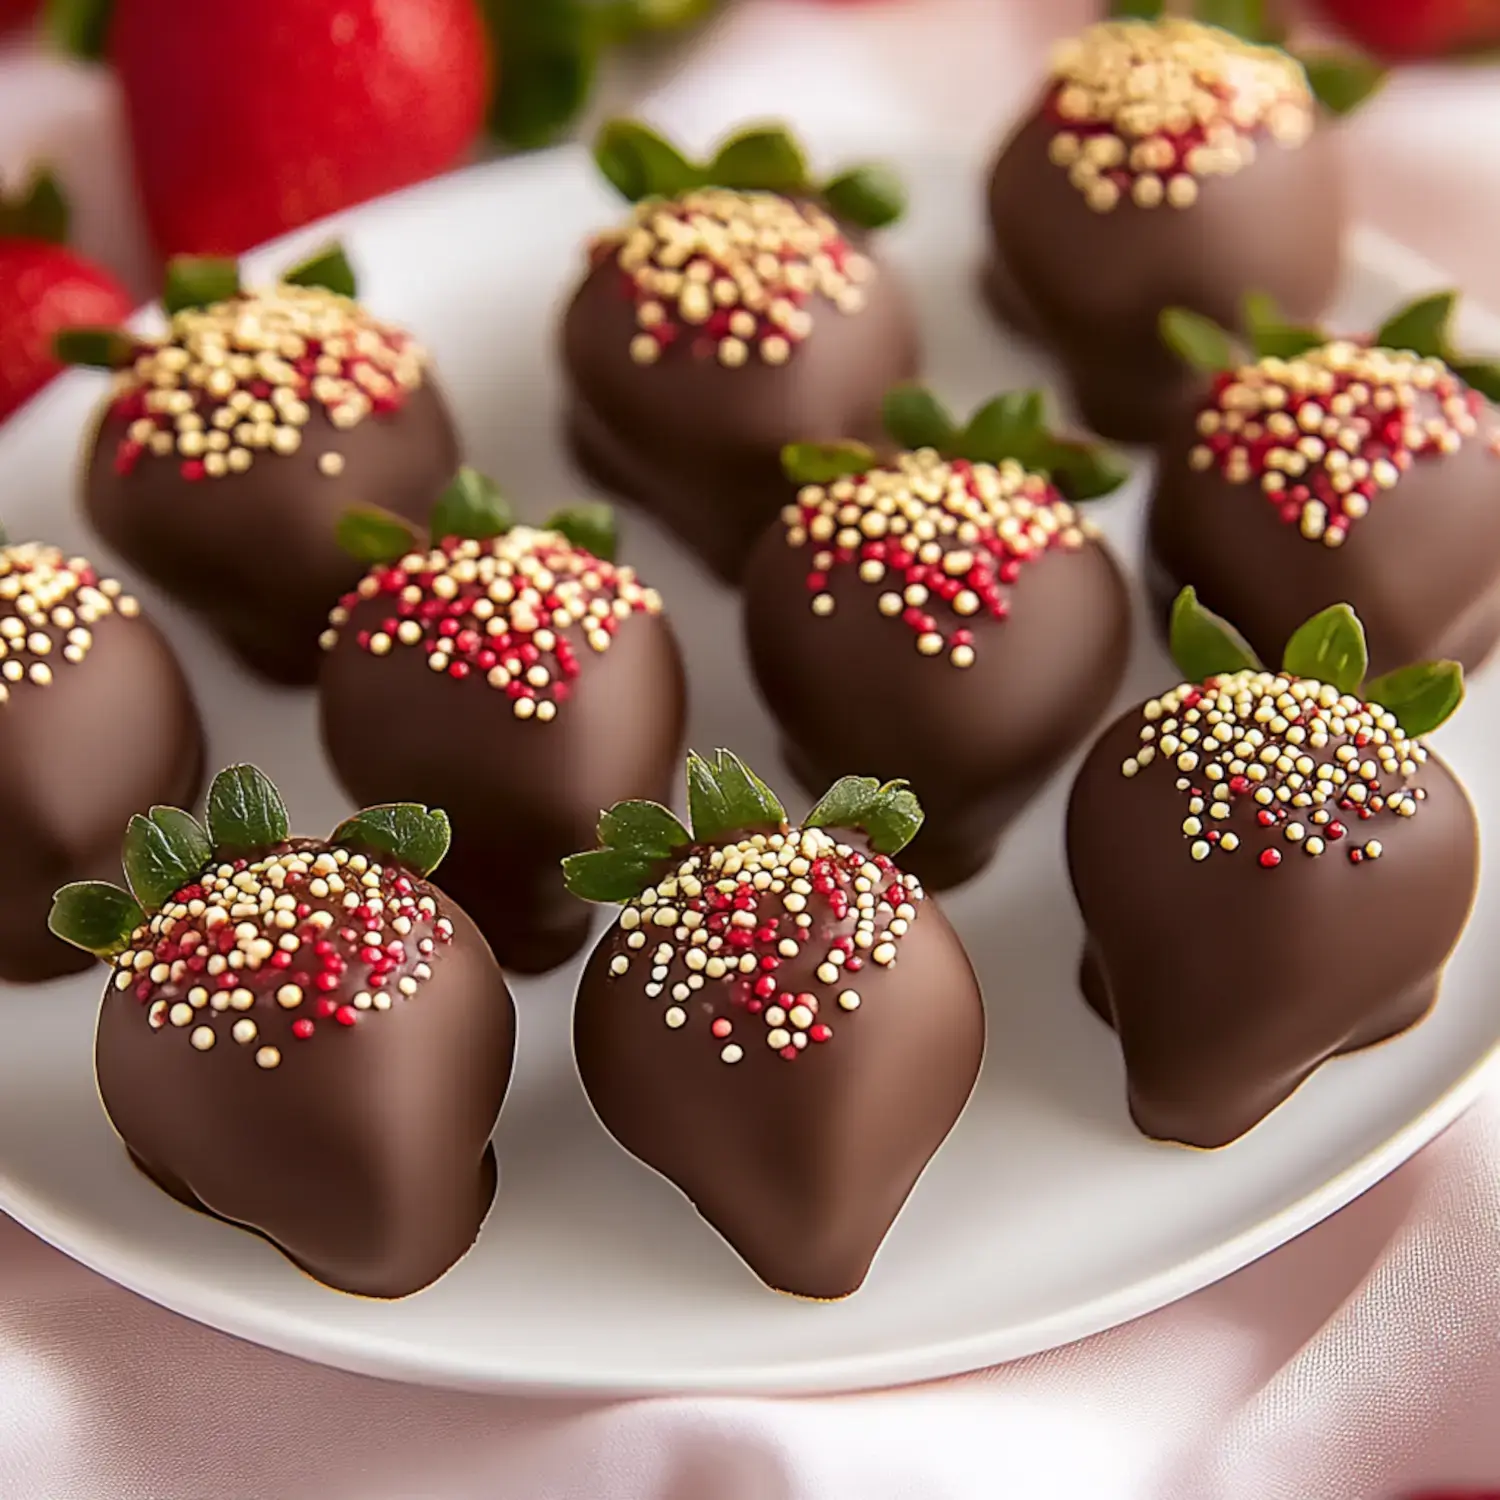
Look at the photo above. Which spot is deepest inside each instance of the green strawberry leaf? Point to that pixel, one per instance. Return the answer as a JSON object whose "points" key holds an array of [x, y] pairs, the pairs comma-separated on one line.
{"points": [[245, 812], [95, 916], [764, 159], [1245, 18], [412, 835], [371, 535], [890, 814], [1482, 375], [1004, 427], [1203, 645], [1198, 341], [823, 463], [164, 851], [1271, 336], [646, 829], [1081, 471], [550, 57], [1329, 648], [609, 875], [199, 281], [591, 526], [1421, 328], [78, 28], [471, 509], [95, 348], [915, 419], [329, 269], [1342, 81], [41, 213], [725, 796], [1136, 10], [638, 163], [871, 196], [1422, 697]]}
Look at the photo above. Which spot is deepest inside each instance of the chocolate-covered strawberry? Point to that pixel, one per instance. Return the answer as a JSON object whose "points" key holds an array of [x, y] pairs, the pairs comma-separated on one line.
{"points": [[1167, 162], [945, 614], [738, 309], [517, 674], [781, 1022], [304, 1037], [1317, 468], [96, 719], [1272, 867], [231, 444]]}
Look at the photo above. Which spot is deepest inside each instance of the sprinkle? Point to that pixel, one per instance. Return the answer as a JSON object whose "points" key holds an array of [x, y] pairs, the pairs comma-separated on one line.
{"points": [[256, 366], [1283, 756], [1362, 403], [1150, 110], [43, 595], [202, 1037], [726, 275], [730, 916], [268, 1057]]}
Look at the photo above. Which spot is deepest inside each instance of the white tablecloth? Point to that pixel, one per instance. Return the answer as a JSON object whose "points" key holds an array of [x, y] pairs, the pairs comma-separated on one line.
{"points": [[1360, 1362]]}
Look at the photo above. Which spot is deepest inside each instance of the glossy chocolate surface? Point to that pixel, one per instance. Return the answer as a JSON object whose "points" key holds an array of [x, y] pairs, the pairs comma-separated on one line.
{"points": [[975, 742], [103, 737], [1092, 285], [362, 1152], [522, 793], [1230, 982], [801, 1163], [698, 444]]}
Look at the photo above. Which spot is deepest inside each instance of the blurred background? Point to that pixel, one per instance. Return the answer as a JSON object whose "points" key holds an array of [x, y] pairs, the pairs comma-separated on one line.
{"points": [[179, 126]]}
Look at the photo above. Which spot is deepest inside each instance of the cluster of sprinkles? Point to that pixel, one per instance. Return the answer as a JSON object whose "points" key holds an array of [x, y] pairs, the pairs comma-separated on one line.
{"points": [[244, 376], [500, 610], [1146, 111], [1313, 765], [732, 273], [258, 951], [48, 606], [928, 533], [731, 917], [1323, 433]]}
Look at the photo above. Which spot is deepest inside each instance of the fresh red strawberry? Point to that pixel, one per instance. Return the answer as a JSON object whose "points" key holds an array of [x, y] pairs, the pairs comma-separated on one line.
{"points": [[249, 120], [1400, 29], [44, 287], [14, 12]]}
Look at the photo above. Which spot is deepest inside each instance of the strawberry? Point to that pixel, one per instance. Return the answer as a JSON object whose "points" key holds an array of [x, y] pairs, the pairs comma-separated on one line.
{"points": [[1418, 28], [44, 287], [14, 12], [249, 120]]}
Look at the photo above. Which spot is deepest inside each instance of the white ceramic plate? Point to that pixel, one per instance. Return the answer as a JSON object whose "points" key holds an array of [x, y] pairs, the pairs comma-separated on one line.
{"points": [[1044, 1218]]}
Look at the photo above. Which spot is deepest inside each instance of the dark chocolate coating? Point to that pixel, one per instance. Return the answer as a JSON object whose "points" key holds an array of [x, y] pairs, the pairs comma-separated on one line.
{"points": [[522, 795], [364, 1157], [698, 445], [1095, 284], [108, 736], [1421, 570], [1229, 983], [975, 742], [801, 1166], [254, 553]]}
